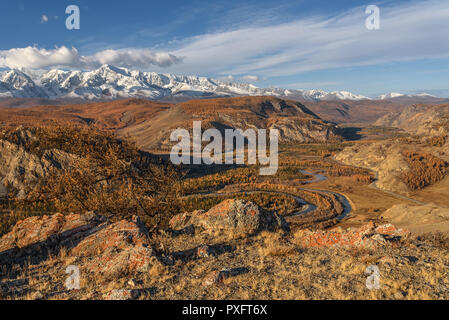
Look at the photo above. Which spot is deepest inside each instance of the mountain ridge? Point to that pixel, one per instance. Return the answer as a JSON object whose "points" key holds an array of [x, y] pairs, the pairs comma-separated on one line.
{"points": [[109, 82]]}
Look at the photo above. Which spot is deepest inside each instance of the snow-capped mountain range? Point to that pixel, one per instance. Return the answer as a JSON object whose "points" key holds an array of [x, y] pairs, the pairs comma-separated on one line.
{"points": [[109, 82]]}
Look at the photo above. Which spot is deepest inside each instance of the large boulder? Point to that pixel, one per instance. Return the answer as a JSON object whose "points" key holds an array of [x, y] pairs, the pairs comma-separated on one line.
{"points": [[239, 216]]}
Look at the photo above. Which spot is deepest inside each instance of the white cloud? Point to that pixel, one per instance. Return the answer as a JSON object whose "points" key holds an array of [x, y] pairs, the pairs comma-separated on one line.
{"points": [[44, 19], [131, 58], [36, 58], [409, 31], [251, 78]]}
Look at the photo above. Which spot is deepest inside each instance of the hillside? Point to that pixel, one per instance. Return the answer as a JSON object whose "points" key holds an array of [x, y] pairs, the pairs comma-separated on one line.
{"points": [[338, 111], [150, 123], [295, 122], [364, 111], [411, 163], [430, 120], [122, 261]]}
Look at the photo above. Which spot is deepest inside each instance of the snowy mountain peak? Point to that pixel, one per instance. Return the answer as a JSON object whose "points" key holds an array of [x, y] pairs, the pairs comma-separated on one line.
{"points": [[390, 95], [110, 82]]}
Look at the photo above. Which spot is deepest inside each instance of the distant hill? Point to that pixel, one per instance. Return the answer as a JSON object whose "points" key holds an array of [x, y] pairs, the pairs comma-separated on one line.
{"points": [[150, 123], [432, 120], [366, 111]]}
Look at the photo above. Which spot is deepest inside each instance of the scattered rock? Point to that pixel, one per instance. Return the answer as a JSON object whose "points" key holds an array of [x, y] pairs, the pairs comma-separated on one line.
{"points": [[205, 251], [399, 295], [411, 259], [122, 294], [379, 239], [391, 230], [133, 283], [217, 277]]}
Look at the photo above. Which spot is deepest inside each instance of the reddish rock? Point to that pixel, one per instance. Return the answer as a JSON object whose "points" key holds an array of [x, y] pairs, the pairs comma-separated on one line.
{"points": [[368, 236], [119, 249], [205, 251], [32, 235], [367, 229], [182, 220], [391, 230]]}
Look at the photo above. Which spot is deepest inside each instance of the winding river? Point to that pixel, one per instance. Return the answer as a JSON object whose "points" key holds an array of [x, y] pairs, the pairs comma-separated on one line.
{"points": [[305, 206]]}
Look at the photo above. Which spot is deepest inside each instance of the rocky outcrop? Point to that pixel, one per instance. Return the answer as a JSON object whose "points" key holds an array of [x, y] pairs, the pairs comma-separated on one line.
{"points": [[238, 216], [368, 236], [300, 131], [19, 168]]}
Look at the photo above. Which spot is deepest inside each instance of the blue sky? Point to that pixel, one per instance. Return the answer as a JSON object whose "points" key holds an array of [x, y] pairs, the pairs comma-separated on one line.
{"points": [[294, 44]]}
